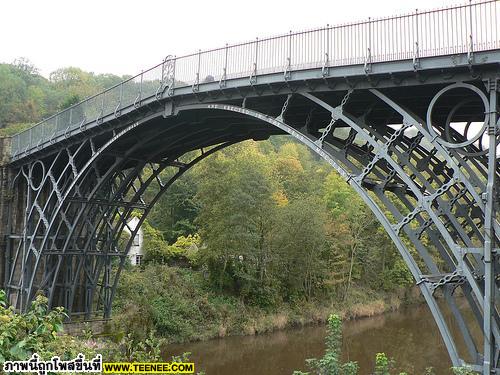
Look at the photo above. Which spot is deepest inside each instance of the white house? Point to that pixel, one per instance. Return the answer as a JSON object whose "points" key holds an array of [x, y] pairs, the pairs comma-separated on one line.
{"points": [[135, 253]]}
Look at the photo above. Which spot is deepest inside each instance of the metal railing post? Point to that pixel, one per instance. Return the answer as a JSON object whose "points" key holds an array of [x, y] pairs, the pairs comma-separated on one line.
{"points": [[288, 66], [416, 57], [172, 85], [325, 72], [140, 88], [253, 75], [138, 98], [99, 119], [470, 53], [42, 134], [118, 106], [56, 127], [196, 84], [368, 58], [222, 81], [159, 90]]}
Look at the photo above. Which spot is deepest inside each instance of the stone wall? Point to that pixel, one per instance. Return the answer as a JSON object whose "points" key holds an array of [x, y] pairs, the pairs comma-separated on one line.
{"points": [[5, 194], [97, 327]]}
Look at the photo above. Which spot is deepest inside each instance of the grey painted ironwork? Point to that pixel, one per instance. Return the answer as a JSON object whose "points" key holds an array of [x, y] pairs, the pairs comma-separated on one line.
{"points": [[388, 127], [460, 29]]}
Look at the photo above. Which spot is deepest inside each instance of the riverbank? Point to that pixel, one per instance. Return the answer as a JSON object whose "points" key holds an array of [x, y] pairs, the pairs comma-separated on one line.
{"points": [[398, 334], [303, 313], [176, 304]]}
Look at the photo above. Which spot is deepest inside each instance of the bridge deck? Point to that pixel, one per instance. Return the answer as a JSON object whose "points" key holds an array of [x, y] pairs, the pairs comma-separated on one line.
{"points": [[444, 38], [76, 179]]}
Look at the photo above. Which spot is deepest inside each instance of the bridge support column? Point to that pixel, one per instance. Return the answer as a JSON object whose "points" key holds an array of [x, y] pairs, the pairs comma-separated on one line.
{"points": [[5, 178], [490, 255]]}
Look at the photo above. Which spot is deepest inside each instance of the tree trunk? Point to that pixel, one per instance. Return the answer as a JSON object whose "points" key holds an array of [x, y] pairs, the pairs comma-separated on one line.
{"points": [[349, 279]]}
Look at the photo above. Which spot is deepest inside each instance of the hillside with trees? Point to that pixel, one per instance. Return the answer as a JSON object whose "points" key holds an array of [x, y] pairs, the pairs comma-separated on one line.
{"points": [[260, 236], [26, 97]]}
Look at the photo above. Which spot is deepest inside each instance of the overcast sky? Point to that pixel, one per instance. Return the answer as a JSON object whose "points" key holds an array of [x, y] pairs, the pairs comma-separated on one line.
{"points": [[125, 36]]}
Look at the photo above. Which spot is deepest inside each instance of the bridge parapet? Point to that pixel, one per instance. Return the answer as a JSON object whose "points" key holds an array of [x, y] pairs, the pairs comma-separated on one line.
{"points": [[464, 29]]}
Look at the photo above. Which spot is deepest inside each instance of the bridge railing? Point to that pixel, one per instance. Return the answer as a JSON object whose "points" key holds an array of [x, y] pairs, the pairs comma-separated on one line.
{"points": [[451, 30]]}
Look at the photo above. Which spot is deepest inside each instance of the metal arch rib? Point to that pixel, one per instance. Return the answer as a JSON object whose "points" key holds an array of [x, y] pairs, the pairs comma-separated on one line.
{"points": [[309, 142], [444, 233], [417, 122], [126, 186], [160, 194], [83, 174], [83, 170]]}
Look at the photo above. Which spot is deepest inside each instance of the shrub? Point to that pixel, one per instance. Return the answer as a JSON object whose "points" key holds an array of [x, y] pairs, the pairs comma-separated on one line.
{"points": [[466, 370], [331, 363], [383, 364], [21, 335]]}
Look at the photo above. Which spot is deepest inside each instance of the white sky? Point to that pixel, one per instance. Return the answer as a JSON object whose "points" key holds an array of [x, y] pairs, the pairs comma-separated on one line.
{"points": [[123, 37]]}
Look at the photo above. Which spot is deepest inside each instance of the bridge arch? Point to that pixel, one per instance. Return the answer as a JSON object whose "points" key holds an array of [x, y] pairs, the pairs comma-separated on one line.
{"points": [[99, 187], [78, 175]]}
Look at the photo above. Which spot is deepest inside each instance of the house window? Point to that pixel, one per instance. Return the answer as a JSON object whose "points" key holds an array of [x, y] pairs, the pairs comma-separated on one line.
{"points": [[136, 240], [138, 259]]}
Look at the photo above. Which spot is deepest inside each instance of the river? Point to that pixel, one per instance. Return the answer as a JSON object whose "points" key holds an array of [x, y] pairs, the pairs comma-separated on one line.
{"points": [[410, 336]]}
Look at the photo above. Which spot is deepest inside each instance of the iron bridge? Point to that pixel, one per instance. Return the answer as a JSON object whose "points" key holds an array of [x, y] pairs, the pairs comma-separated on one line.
{"points": [[404, 108]]}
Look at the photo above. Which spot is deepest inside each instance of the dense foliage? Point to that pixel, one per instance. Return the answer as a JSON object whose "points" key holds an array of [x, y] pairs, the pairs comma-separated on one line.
{"points": [[40, 331], [265, 236], [277, 225], [22, 335], [26, 97]]}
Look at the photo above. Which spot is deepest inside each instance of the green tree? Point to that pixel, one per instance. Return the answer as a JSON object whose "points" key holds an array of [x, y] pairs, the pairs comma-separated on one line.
{"points": [[175, 212], [27, 97], [299, 238], [354, 223], [236, 212], [21, 99], [156, 250], [368, 255]]}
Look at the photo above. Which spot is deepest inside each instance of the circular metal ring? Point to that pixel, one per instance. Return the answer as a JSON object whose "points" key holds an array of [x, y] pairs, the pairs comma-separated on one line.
{"points": [[447, 126], [463, 151], [475, 153], [468, 142], [31, 180]]}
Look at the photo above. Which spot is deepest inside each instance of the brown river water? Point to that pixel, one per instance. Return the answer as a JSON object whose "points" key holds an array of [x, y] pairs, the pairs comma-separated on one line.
{"points": [[410, 336]]}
